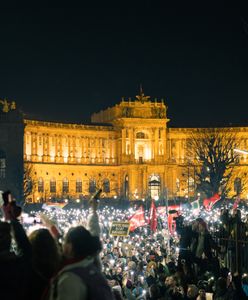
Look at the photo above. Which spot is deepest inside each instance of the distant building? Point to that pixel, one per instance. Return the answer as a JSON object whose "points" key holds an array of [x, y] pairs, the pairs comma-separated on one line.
{"points": [[128, 151], [11, 149]]}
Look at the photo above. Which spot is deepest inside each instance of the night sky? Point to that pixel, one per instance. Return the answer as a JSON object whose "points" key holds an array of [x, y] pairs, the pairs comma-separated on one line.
{"points": [[62, 63]]}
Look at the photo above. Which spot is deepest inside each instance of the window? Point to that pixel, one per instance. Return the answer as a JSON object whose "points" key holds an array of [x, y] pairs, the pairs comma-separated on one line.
{"points": [[78, 185], [92, 186], [106, 186], [65, 187], [2, 164], [29, 185], [191, 184], [140, 135], [154, 186], [40, 185], [52, 185]]}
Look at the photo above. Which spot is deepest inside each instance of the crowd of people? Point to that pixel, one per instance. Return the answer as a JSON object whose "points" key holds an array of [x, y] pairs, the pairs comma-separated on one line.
{"points": [[71, 254]]}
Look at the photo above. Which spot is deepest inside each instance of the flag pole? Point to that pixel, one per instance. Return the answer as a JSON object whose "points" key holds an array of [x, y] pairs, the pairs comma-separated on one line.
{"points": [[167, 215]]}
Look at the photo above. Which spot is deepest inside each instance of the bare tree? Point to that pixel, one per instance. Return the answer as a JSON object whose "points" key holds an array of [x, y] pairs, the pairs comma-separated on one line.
{"points": [[213, 149]]}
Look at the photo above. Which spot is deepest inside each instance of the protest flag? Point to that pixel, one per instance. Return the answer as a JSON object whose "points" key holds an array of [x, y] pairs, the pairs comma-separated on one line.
{"points": [[153, 217], [137, 219], [195, 205]]}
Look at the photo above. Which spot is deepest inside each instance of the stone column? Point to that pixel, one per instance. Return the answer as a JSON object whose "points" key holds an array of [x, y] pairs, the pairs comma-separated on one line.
{"points": [[123, 141], [131, 137], [156, 143]]}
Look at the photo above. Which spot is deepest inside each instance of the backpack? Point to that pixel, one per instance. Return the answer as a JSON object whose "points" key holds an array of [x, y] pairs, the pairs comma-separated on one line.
{"points": [[97, 285]]}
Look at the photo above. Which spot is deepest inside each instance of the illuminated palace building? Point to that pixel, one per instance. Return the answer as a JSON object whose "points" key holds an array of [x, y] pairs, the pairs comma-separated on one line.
{"points": [[131, 154]]}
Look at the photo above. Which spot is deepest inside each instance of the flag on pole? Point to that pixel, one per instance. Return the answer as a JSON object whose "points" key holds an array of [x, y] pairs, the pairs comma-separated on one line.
{"points": [[137, 219], [236, 203], [153, 217], [195, 205], [210, 202]]}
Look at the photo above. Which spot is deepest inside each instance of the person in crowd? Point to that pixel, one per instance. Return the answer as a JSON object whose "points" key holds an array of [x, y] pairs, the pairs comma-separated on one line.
{"points": [[10, 209], [46, 260], [15, 267], [192, 292], [80, 278], [204, 247]]}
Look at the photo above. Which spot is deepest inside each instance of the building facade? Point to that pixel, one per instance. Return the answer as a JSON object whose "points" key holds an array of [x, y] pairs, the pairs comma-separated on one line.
{"points": [[131, 154], [11, 149]]}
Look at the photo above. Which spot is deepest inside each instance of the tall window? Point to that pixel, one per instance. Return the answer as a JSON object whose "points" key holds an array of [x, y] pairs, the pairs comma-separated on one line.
{"points": [[78, 185], [126, 187], [106, 186], [65, 187], [29, 185], [52, 185], [2, 164], [191, 184], [92, 186], [154, 186], [178, 185], [40, 185]]}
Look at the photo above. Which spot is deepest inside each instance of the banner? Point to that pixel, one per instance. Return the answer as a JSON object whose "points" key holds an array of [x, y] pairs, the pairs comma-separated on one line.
{"points": [[55, 205], [119, 229]]}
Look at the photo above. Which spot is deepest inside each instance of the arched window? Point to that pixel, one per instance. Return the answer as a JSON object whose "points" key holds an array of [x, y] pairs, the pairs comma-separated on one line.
{"points": [[154, 186], [78, 185], [40, 185], [2, 164], [52, 185], [65, 187], [140, 135], [237, 185], [92, 186], [106, 186]]}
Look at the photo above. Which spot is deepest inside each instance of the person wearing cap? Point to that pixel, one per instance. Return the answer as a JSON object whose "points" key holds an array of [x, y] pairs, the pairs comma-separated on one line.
{"points": [[80, 277]]}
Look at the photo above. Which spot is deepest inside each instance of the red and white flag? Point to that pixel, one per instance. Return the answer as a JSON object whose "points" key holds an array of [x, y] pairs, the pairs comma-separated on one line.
{"points": [[236, 203], [210, 202], [137, 219], [153, 217]]}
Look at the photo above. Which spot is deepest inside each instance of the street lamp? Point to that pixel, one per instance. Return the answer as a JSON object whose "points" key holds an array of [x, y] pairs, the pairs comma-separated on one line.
{"points": [[240, 151]]}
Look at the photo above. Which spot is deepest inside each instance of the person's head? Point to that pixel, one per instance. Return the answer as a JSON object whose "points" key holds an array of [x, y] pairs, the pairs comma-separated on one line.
{"points": [[154, 291], [195, 225], [80, 243], [202, 295], [5, 236], [45, 251], [192, 291], [170, 281], [221, 284], [202, 226]]}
